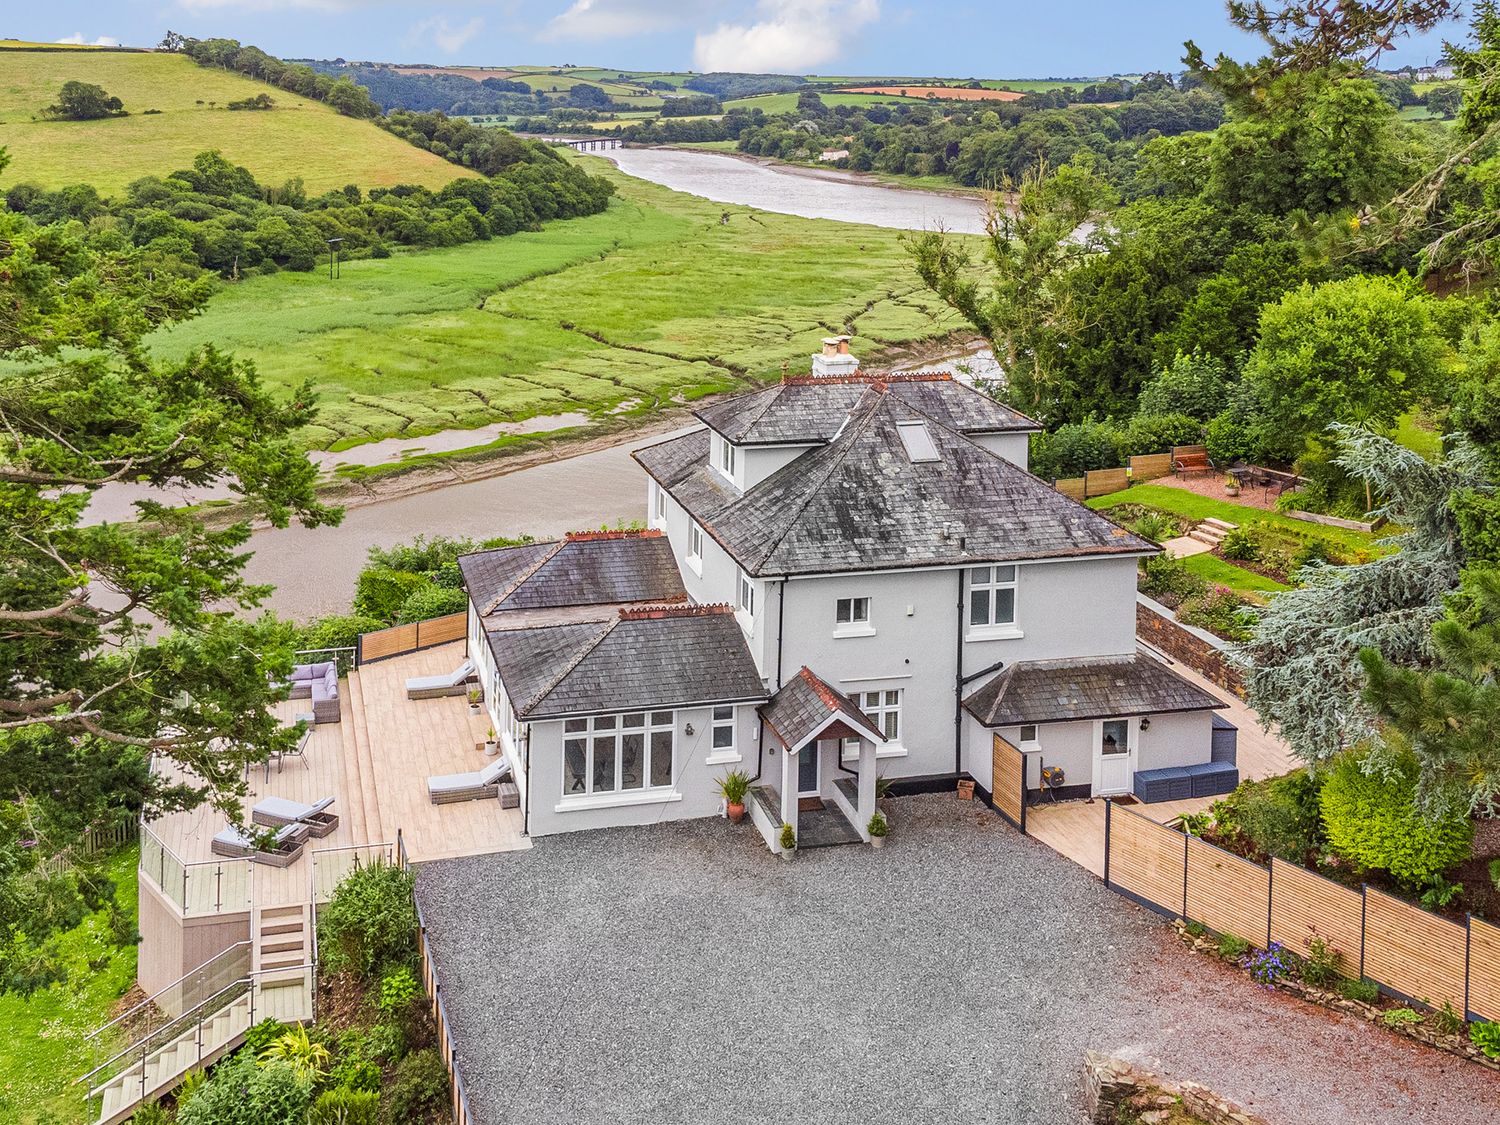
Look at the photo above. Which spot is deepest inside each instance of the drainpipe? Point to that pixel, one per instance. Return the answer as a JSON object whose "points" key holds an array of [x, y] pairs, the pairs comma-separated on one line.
{"points": [[526, 756], [958, 682], [760, 736]]}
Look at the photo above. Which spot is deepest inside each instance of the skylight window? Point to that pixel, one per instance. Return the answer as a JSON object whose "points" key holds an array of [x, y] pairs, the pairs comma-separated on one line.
{"points": [[918, 442]]}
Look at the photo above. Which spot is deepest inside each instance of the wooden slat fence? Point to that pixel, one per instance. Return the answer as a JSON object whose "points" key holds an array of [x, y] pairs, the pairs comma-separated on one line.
{"points": [[1409, 952], [1010, 782], [402, 639], [1149, 466], [1074, 488], [1101, 482]]}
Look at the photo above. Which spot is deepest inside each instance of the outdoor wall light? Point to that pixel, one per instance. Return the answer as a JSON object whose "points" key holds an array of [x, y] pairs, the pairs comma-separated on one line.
{"points": [[688, 730], [1145, 724]]}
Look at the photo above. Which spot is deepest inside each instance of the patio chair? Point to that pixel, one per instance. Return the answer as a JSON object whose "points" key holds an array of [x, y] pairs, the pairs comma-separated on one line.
{"points": [[452, 788], [450, 683], [278, 812], [285, 848]]}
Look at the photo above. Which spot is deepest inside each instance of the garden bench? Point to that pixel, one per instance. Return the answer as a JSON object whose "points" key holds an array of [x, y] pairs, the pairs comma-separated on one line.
{"points": [[1188, 459]]}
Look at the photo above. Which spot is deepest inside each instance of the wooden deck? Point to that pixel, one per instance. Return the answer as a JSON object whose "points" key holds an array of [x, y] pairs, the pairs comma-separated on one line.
{"points": [[1076, 828], [375, 762]]}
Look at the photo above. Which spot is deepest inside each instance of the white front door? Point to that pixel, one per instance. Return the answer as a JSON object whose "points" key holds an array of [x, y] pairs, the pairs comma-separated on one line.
{"points": [[1114, 757]]}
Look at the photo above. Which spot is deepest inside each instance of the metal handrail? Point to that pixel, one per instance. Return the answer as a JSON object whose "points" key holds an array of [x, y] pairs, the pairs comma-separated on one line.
{"points": [[248, 978], [163, 991]]}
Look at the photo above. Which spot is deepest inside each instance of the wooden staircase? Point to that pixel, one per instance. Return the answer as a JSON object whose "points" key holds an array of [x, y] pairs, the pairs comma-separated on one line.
{"points": [[362, 765], [280, 986], [1212, 531]]}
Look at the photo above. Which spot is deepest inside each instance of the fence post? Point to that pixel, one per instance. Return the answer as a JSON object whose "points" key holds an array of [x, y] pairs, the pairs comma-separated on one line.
{"points": [[1270, 898], [1025, 765], [1185, 839], [1468, 958], [1108, 807], [1364, 903]]}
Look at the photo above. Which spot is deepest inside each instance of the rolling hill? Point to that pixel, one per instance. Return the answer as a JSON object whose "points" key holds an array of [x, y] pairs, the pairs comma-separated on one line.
{"points": [[299, 137]]}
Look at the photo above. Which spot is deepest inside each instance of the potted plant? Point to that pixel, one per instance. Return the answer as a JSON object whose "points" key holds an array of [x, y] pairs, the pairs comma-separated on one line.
{"points": [[733, 787], [788, 841], [1231, 486], [491, 747], [878, 829], [475, 695]]}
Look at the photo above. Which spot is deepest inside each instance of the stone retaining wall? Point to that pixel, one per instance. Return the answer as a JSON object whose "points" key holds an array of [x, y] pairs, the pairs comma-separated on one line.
{"points": [[1197, 652], [1111, 1084]]}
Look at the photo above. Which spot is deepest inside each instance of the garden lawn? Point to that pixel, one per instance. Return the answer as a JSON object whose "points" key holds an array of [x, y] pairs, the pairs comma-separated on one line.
{"points": [[1181, 502], [42, 1048], [299, 138], [1237, 578], [652, 301]]}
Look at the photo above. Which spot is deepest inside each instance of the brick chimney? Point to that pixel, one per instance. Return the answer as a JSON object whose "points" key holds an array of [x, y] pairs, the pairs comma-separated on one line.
{"points": [[835, 359]]}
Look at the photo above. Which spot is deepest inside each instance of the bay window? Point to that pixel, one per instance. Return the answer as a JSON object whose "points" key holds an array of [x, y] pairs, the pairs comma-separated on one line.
{"points": [[618, 753]]}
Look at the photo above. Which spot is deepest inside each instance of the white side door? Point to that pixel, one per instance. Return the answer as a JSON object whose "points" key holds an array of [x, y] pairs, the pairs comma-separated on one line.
{"points": [[1114, 757]]}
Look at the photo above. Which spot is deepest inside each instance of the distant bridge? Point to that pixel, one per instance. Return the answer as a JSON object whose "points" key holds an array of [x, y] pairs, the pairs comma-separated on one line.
{"points": [[584, 144]]}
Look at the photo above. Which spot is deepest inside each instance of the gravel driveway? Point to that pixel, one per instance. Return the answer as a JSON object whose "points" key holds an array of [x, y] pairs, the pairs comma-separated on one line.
{"points": [[681, 973]]}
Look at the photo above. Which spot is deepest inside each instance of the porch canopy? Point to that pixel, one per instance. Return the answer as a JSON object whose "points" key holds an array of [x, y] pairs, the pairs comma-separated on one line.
{"points": [[808, 710]]}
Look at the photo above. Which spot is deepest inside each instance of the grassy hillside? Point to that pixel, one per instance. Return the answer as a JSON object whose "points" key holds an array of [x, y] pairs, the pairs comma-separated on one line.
{"points": [[651, 300], [299, 137]]}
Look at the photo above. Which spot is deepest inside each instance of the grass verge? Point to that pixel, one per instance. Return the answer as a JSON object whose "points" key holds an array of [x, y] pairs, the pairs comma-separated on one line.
{"points": [[1237, 578], [42, 1050]]}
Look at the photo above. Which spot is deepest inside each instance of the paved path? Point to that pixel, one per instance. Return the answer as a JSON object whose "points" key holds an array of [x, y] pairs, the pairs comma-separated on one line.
{"points": [[680, 973]]}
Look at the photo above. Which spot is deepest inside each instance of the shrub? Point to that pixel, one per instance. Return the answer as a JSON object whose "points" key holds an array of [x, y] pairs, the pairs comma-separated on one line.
{"points": [[337, 632], [341, 1106], [1074, 448], [788, 837], [1446, 1021], [242, 1093], [1486, 1036], [1275, 817], [879, 826], [1155, 526], [1219, 610], [1397, 1018], [380, 592], [356, 1073], [1158, 433], [1495, 873], [1195, 385], [1440, 893], [420, 1086], [422, 555], [386, 1042], [1231, 947], [263, 1034], [1240, 544], [1365, 991], [150, 1114], [431, 601], [1321, 963], [1164, 576], [296, 1049], [370, 922], [1372, 820]]}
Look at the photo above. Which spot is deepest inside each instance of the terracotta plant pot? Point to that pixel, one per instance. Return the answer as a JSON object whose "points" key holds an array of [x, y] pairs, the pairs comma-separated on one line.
{"points": [[736, 811]]}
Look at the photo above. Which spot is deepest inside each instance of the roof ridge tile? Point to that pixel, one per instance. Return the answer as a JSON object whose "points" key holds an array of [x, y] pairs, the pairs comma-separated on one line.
{"points": [[567, 670], [661, 612], [520, 579]]}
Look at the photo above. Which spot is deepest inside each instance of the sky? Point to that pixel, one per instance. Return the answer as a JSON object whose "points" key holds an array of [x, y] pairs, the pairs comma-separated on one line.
{"points": [[954, 38]]}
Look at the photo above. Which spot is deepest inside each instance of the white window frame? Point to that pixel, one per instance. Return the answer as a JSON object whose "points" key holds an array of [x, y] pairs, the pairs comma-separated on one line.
{"points": [[724, 457], [658, 505], [745, 593], [892, 747], [1034, 742], [723, 718], [855, 626], [694, 557], [595, 729], [992, 584]]}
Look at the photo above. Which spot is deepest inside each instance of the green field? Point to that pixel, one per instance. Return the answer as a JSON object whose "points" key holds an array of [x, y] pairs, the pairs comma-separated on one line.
{"points": [[299, 137], [42, 1050], [650, 301]]}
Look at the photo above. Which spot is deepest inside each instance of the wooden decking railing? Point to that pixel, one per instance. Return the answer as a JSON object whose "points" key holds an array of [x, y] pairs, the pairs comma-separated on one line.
{"points": [[1409, 952], [402, 639]]}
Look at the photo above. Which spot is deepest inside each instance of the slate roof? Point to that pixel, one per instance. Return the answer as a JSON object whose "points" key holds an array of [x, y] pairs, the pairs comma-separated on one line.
{"points": [[1051, 691], [859, 503], [811, 410], [639, 659], [587, 569], [804, 706]]}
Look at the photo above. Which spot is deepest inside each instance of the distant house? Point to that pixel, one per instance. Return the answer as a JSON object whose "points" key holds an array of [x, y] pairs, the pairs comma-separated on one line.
{"points": [[843, 575], [829, 155]]}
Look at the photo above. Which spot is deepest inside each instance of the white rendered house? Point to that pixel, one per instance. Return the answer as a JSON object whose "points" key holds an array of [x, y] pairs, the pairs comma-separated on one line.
{"points": [[843, 575]]}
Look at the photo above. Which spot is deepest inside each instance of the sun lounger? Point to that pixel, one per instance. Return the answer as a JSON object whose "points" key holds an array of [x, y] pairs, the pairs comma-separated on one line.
{"points": [[454, 787], [277, 812], [285, 848], [450, 683]]}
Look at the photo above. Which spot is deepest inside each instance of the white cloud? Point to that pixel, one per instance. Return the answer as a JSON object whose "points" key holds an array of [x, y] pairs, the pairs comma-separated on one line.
{"points": [[77, 39], [591, 20], [267, 5], [444, 35], [788, 36]]}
